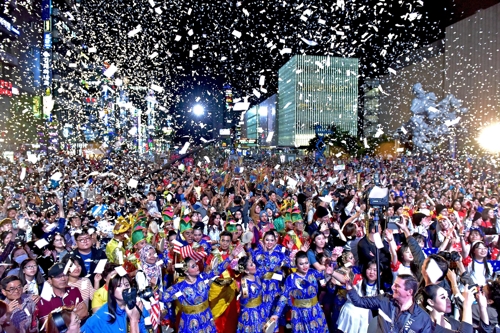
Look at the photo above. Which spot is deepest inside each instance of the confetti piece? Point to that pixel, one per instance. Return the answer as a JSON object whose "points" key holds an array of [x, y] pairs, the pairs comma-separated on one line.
{"points": [[135, 31], [110, 71], [156, 88], [184, 148]]}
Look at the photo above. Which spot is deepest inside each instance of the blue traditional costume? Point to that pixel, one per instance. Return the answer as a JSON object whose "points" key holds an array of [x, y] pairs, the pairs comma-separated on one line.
{"points": [[196, 315], [252, 311], [301, 293], [271, 262]]}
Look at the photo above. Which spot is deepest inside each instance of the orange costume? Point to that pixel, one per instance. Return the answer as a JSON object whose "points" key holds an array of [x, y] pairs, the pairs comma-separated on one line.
{"points": [[222, 296]]}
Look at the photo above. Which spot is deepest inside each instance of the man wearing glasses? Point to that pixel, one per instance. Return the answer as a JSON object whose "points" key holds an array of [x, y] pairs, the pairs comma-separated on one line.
{"points": [[89, 254], [22, 306], [60, 295]]}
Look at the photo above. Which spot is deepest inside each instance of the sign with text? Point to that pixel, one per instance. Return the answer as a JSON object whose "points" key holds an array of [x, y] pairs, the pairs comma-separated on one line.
{"points": [[5, 88]]}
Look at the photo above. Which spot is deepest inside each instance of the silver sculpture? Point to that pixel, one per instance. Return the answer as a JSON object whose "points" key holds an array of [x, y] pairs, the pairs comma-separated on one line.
{"points": [[432, 122]]}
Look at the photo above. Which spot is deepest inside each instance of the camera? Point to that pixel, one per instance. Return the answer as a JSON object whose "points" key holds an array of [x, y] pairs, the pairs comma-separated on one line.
{"points": [[455, 256], [146, 294], [129, 297]]}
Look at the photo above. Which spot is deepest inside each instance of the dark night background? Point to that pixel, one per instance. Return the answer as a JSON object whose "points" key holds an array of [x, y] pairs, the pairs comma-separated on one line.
{"points": [[266, 27]]}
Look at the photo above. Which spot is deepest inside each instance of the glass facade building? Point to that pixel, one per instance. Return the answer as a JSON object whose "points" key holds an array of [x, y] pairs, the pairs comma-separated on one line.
{"points": [[260, 122], [316, 90]]}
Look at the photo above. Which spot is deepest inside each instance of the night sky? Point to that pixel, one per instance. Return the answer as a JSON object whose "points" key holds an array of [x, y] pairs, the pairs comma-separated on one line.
{"points": [[191, 48]]}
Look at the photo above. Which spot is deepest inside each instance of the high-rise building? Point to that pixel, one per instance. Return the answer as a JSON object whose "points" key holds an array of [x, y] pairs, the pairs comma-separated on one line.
{"points": [[20, 39], [316, 90], [260, 123], [371, 107]]}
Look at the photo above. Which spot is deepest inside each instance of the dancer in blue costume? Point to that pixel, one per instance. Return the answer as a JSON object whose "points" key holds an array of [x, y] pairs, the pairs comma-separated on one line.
{"points": [[192, 294], [271, 258], [252, 315], [301, 293]]}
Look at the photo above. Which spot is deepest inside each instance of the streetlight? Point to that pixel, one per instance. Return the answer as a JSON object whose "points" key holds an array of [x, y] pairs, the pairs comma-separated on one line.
{"points": [[198, 109], [488, 138]]}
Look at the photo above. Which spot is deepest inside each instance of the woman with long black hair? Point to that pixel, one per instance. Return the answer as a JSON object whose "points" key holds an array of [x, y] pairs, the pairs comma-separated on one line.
{"points": [[351, 318], [115, 316], [437, 303]]}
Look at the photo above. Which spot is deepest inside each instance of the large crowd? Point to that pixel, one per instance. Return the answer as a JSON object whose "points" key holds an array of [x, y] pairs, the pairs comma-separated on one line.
{"points": [[122, 244]]}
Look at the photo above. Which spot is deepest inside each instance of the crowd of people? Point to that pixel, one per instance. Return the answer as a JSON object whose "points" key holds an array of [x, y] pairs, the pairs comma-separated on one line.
{"points": [[122, 244]]}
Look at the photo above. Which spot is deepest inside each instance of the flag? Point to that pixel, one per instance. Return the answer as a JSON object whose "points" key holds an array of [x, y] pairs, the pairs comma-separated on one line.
{"points": [[187, 251], [177, 246], [155, 312]]}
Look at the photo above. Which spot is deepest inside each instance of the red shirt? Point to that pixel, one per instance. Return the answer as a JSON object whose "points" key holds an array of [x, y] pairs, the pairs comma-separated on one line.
{"points": [[72, 297]]}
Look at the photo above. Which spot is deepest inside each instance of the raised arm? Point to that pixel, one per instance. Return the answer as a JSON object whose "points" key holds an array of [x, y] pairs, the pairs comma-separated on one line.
{"points": [[371, 303], [392, 246]]}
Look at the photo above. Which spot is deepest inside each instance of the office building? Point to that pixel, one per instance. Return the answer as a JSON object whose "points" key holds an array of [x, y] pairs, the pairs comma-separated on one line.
{"points": [[260, 123], [316, 90], [465, 63], [20, 40]]}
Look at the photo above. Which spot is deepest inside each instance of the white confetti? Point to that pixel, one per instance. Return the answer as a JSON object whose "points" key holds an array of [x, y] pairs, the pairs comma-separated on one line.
{"points": [[135, 31], [110, 71]]}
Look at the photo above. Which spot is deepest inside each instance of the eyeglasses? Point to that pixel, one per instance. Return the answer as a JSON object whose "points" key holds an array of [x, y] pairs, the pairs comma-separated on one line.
{"points": [[30, 267], [62, 276], [83, 240], [14, 289]]}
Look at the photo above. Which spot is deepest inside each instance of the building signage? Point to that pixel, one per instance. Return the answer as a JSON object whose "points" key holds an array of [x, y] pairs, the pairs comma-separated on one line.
{"points": [[5, 88], [9, 26], [47, 40], [47, 47], [47, 26], [46, 69]]}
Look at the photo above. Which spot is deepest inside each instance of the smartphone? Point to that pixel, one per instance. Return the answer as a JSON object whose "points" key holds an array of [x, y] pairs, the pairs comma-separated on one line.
{"points": [[391, 224]]}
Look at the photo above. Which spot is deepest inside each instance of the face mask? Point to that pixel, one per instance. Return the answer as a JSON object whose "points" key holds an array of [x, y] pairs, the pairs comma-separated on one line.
{"points": [[21, 258]]}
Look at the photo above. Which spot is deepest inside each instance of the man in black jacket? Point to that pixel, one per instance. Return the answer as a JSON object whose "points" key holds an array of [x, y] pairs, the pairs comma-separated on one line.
{"points": [[397, 313]]}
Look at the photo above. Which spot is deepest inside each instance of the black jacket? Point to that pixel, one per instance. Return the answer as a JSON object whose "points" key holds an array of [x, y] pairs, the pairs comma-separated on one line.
{"points": [[95, 257], [414, 320]]}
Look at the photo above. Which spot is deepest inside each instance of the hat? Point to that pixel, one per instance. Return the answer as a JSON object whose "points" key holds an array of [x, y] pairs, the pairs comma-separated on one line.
{"points": [[137, 236], [139, 225], [56, 269], [287, 216], [480, 230], [231, 227], [141, 215], [185, 224], [321, 212], [120, 227], [296, 215], [168, 214], [326, 198]]}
